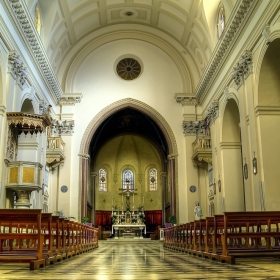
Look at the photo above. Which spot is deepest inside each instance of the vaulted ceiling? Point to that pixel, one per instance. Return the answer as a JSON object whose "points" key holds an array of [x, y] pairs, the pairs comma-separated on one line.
{"points": [[181, 23]]}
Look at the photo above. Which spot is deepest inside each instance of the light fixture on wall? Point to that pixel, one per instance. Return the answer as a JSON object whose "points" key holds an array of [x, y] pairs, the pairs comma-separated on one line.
{"points": [[214, 187], [245, 170], [219, 184], [255, 166]]}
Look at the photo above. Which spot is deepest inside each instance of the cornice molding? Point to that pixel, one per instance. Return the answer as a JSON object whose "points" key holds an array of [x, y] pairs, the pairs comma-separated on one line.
{"points": [[267, 110], [186, 99], [22, 19], [225, 45], [70, 99]]}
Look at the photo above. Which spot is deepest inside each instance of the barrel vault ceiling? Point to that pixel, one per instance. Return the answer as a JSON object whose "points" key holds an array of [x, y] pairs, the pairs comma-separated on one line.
{"points": [[66, 22]]}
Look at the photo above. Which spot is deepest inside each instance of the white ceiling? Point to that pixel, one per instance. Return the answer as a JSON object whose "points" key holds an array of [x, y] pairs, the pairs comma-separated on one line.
{"points": [[66, 22]]}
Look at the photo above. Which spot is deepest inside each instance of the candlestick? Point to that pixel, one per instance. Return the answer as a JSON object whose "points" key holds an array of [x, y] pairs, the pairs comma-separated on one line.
{"points": [[143, 200]]}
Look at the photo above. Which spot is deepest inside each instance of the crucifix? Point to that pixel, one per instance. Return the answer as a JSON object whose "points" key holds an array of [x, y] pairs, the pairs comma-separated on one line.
{"points": [[128, 191]]}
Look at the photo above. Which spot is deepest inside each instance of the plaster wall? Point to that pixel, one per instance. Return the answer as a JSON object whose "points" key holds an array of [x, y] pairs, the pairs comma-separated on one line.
{"points": [[100, 86]]}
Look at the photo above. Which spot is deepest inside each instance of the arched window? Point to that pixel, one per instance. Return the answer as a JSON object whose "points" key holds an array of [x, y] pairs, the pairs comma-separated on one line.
{"points": [[221, 21], [38, 20], [152, 179], [128, 180], [102, 175]]}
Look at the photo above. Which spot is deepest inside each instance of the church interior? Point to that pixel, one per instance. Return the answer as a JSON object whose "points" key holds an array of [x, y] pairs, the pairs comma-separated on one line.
{"points": [[142, 119]]}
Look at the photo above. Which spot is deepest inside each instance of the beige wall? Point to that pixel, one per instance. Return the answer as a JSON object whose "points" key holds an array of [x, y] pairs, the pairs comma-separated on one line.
{"points": [[128, 152]]}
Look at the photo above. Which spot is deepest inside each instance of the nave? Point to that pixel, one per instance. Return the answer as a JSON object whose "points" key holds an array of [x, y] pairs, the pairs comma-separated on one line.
{"points": [[143, 261]]}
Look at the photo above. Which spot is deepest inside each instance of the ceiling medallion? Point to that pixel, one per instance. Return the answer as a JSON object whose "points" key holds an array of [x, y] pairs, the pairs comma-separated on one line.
{"points": [[128, 69]]}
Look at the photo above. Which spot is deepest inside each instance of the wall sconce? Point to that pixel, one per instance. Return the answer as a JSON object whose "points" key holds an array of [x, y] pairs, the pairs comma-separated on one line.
{"points": [[245, 170], [214, 187], [255, 166]]}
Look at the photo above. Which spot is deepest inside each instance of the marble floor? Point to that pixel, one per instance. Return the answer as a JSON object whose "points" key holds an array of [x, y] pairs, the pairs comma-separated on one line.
{"points": [[143, 261]]}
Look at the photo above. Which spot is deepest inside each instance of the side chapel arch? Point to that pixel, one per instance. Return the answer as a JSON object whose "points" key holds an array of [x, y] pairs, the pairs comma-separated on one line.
{"points": [[97, 121]]}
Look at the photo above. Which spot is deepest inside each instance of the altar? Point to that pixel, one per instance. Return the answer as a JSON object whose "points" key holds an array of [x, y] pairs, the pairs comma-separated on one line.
{"points": [[128, 230]]}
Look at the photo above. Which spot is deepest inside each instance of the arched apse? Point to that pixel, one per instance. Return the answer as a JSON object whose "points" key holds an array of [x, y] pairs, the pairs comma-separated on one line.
{"points": [[268, 122], [100, 118], [231, 152]]}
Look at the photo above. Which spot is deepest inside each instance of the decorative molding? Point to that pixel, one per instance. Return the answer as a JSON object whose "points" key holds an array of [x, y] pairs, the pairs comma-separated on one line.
{"points": [[86, 156], [23, 21], [267, 110], [186, 99], [2, 110], [70, 99], [17, 68], [243, 69], [62, 127], [226, 93], [224, 46], [266, 33], [28, 123], [230, 145]]}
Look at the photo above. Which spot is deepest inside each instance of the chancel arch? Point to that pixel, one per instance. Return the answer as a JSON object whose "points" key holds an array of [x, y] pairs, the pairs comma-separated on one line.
{"points": [[132, 111], [268, 122], [231, 152]]}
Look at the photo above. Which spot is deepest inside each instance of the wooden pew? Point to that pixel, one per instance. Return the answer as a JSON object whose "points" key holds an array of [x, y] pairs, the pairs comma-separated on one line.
{"points": [[250, 234], [20, 239]]}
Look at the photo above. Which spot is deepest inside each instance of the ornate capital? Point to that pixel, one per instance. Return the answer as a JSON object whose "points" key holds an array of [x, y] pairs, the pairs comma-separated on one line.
{"points": [[17, 68], [213, 111], [62, 127], [242, 69]]}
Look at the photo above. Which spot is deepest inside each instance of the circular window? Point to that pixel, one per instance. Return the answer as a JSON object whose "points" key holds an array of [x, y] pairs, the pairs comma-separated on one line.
{"points": [[128, 69]]}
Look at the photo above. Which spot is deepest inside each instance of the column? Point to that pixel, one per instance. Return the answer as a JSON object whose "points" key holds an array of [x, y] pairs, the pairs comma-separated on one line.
{"points": [[163, 176], [84, 184], [93, 185]]}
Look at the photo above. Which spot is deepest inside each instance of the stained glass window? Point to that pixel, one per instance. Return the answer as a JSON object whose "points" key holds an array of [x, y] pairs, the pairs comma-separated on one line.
{"points": [[153, 179], [128, 181], [102, 174]]}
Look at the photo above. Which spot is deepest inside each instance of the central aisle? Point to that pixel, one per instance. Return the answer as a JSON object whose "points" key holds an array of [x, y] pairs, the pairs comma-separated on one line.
{"points": [[142, 261]]}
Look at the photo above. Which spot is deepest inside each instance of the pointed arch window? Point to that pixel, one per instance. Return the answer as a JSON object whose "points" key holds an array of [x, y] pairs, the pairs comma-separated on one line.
{"points": [[128, 179], [153, 179], [102, 178]]}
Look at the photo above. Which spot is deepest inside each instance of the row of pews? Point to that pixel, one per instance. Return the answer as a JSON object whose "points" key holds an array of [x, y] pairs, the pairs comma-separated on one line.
{"points": [[228, 236], [30, 236]]}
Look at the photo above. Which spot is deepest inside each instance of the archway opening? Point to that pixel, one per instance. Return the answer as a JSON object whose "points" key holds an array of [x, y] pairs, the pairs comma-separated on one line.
{"points": [[128, 142], [231, 150], [268, 120]]}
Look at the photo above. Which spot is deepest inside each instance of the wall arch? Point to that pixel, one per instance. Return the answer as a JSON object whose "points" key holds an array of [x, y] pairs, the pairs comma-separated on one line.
{"points": [[97, 121], [77, 58], [231, 153]]}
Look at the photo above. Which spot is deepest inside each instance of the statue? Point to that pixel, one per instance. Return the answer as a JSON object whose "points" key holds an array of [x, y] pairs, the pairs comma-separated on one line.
{"points": [[197, 211]]}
